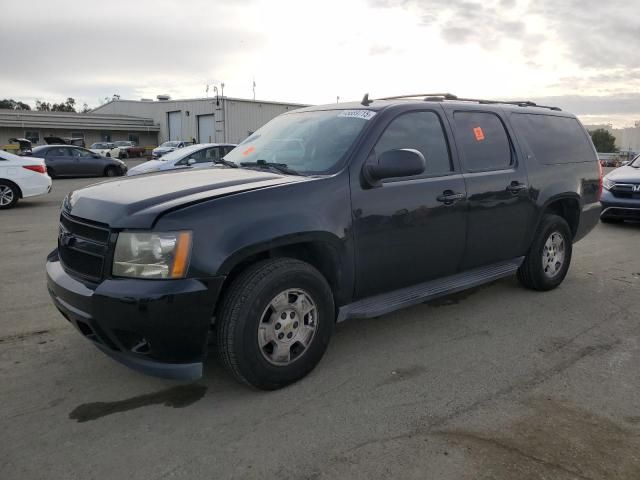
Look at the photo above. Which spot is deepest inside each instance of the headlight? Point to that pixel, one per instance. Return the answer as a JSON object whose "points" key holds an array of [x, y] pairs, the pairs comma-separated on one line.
{"points": [[152, 254], [608, 184]]}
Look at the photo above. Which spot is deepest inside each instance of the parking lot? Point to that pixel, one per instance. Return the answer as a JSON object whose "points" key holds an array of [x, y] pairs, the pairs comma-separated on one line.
{"points": [[498, 382]]}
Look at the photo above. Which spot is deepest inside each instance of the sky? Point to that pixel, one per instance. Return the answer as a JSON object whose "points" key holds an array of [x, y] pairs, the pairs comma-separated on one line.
{"points": [[582, 55]]}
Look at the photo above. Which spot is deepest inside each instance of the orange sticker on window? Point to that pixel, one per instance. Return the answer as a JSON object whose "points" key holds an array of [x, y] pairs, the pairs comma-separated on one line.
{"points": [[477, 131], [249, 151]]}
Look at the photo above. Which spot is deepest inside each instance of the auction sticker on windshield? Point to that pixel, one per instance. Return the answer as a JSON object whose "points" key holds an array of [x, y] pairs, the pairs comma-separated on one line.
{"points": [[363, 114]]}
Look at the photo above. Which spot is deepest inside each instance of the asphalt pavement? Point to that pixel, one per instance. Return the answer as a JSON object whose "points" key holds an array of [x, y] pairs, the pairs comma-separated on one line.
{"points": [[498, 383]]}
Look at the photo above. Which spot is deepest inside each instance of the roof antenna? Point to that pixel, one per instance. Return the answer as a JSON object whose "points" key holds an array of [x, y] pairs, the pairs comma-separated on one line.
{"points": [[365, 100]]}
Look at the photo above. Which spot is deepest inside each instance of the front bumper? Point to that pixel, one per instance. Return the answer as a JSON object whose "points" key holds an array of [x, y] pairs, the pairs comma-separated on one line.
{"points": [[618, 207], [157, 327]]}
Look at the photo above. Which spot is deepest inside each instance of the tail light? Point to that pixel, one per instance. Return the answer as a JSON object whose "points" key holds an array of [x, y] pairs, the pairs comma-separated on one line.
{"points": [[601, 174], [36, 168]]}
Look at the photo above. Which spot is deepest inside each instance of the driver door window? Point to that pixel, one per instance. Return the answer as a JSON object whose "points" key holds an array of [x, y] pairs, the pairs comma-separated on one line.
{"points": [[422, 131]]}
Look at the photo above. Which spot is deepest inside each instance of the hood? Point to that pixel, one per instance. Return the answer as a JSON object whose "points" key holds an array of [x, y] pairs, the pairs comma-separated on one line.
{"points": [[625, 174], [136, 202], [146, 167]]}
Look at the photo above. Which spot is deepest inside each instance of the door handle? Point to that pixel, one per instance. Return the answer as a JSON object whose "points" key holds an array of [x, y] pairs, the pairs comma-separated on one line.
{"points": [[449, 196], [516, 187]]}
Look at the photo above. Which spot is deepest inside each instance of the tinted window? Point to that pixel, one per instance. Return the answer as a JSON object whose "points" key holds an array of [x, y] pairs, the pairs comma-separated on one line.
{"points": [[482, 140], [203, 156], [213, 154], [58, 152], [554, 139], [77, 152], [422, 131]]}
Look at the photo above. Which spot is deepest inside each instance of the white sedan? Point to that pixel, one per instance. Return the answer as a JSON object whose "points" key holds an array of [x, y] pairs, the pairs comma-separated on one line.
{"points": [[21, 177], [196, 156], [105, 149]]}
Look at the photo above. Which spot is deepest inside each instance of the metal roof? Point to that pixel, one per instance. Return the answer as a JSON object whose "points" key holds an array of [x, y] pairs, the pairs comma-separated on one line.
{"points": [[71, 120]]}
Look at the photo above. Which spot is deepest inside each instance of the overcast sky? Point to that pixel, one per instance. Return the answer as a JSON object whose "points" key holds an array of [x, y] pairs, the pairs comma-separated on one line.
{"points": [[583, 55]]}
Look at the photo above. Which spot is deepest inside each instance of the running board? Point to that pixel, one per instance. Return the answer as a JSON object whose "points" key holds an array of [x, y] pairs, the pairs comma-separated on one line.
{"points": [[405, 297]]}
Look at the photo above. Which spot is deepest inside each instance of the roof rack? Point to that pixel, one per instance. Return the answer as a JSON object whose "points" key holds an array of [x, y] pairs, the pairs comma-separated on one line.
{"points": [[439, 97]]}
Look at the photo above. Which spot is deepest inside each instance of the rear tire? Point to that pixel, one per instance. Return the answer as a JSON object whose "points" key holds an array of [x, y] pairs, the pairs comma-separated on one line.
{"points": [[275, 323], [9, 195], [549, 257], [111, 172]]}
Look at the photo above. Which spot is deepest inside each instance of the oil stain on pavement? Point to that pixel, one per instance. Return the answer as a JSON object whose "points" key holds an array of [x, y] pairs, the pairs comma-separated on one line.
{"points": [[176, 397], [556, 440]]}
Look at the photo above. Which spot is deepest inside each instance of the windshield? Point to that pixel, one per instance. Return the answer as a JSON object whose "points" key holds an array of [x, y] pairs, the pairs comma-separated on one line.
{"points": [[635, 162], [122, 144], [179, 154], [307, 142], [170, 144]]}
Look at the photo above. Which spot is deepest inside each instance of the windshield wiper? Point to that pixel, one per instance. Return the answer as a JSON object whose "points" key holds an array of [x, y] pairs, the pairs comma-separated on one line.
{"points": [[280, 167], [226, 163]]}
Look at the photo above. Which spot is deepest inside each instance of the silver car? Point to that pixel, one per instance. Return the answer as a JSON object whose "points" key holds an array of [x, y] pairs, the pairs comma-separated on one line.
{"points": [[195, 156]]}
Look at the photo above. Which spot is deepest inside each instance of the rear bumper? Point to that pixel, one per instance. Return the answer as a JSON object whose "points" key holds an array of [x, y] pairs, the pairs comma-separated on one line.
{"points": [[37, 185], [157, 327]]}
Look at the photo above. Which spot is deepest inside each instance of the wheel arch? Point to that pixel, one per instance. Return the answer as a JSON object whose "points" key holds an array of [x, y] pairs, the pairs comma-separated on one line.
{"points": [[324, 251], [565, 205], [6, 180]]}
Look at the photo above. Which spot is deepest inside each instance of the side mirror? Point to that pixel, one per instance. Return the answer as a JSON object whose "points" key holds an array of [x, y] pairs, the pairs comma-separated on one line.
{"points": [[191, 161], [404, 162]]}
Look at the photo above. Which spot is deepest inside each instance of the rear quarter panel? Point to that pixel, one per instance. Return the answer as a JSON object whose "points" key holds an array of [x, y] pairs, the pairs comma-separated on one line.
{"points": [[553, 181]]}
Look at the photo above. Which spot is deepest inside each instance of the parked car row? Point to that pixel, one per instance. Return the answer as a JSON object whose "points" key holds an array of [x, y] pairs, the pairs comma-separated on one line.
{"points": [[169, 146]]}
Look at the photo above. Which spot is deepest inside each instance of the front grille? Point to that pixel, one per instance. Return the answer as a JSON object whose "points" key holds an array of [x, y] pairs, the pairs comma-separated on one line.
{"points": [[82, 246], [625, 190]]}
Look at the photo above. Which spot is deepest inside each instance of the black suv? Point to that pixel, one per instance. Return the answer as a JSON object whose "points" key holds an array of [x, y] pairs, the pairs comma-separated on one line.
{"points": [[324, 214]]}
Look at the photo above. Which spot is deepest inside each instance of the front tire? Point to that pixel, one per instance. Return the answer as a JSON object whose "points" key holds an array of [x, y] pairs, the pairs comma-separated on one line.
{"points": [[9, 195], [111, 172], [548, 260], [275, 323]]}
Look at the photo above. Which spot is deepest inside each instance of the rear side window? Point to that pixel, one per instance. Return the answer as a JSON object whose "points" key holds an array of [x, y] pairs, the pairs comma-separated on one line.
{"points": [[554, 139], [483, 141], [421, 131]]}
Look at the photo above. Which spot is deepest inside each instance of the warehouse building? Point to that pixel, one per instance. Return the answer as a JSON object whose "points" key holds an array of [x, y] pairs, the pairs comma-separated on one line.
{"points": [[207, 120], [90, 127]]}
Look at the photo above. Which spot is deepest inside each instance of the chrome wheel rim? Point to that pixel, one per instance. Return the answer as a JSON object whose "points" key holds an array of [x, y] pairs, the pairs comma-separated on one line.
{"points": [[553, 254], [6, 195], [287, 327]]}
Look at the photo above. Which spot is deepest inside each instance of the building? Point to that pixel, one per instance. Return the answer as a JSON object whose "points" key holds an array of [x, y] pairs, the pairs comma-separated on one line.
{"points": [[91, 127], [627, 139], [216, 119]]}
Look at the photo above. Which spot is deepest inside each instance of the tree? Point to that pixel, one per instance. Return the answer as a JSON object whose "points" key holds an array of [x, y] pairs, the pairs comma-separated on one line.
{"points": [[68, 106], [85, 108], [43, 106], [603, 141], [12, 104]]}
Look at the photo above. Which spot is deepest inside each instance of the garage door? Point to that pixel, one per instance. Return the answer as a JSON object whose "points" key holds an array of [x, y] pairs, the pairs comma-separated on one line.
{"points": [[175, 126], [206, 129]]}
